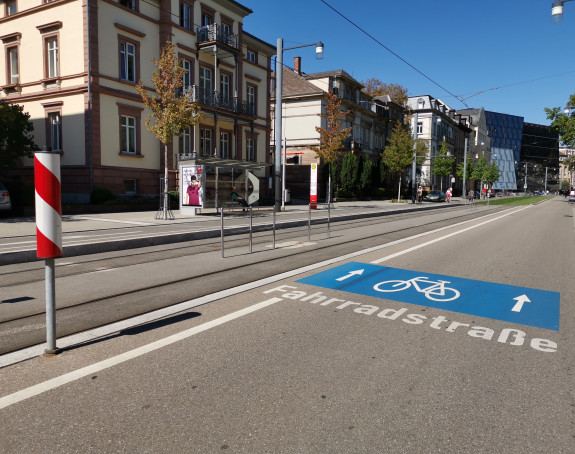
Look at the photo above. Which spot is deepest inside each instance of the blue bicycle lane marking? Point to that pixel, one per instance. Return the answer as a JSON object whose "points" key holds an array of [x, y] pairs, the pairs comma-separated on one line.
{"points": [[522, 305]]}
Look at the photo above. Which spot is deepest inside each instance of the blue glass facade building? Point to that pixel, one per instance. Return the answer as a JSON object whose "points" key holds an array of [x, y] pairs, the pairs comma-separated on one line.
{"points": [[506, 133]]}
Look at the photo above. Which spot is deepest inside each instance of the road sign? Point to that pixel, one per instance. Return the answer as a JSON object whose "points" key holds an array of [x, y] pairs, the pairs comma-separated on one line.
{"points": [[526, 306]]}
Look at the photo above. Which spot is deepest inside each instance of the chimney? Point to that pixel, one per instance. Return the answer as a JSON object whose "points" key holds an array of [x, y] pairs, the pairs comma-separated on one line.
{"points": [[297, 64]]}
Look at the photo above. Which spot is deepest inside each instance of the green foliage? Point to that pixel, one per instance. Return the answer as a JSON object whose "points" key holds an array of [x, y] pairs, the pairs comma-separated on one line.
{"points": [[398, 155], [563, 123], [16, 139], [443, 165], [349, 173], [480, 169], [569, 163], [492, 173], [459, 172], [565, 185], [101, 195], [366, 176], [382, 171]]}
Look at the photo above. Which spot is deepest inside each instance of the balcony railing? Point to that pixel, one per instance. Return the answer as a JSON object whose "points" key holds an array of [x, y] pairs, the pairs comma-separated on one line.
{"points": [[215, 32], [219, 100]]}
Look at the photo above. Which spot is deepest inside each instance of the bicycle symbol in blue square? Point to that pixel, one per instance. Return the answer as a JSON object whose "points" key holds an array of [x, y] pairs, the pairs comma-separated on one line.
{"points": [[526, 306]]}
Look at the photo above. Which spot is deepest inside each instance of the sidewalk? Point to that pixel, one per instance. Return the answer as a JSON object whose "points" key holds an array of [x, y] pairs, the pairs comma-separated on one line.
{"points": [[104, 232]]}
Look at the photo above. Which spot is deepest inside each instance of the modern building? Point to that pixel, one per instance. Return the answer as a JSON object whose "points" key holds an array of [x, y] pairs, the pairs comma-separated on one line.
{"points": [[74, 66], [506, 132], [539, 158]]}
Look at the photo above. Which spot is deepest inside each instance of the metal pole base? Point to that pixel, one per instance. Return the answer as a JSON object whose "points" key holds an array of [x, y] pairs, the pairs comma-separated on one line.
{"points": [[165, 214], [51, 353]]}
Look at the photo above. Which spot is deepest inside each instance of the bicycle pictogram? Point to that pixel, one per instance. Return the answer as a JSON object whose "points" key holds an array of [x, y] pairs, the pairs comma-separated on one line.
{"points": [[435, 291]]}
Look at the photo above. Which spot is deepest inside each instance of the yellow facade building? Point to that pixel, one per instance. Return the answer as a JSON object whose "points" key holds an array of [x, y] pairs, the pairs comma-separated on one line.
{"points": [[74, 66]]}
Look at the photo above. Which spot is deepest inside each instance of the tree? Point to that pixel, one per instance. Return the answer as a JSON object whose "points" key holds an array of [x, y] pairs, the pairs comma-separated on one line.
{"points": [[569, 163], [480, 169], [398, 155], [349, 173], [16, 138], [366, 176], [396, 92], [172, 113], [492, 173], [331, 138], [563, 123], [443, 165], [468, 173]]}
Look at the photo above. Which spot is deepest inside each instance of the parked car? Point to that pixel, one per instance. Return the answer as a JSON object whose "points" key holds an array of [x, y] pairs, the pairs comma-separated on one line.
{"points": [[572, 197], [5, 203], [435, 196]]}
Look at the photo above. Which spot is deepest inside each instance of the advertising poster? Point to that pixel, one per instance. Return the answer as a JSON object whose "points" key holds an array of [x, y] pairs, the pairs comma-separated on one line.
{"points": [[192, 186]]}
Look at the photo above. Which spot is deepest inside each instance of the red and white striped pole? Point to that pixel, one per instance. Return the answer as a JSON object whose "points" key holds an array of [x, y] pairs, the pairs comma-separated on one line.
{"points": [[48, 230]]}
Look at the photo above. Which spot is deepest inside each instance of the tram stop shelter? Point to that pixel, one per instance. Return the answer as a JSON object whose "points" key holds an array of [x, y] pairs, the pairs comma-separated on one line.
{"points": [[207, 182]]}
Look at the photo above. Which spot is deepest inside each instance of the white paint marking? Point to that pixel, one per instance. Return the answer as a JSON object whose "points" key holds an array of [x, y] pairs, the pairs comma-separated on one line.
{"points": [[89, 218], [48, 385], [414, 248], [352, 273], [520, 301]]}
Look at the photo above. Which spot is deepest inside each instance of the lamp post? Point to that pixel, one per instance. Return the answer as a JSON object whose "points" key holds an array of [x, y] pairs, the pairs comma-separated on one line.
{"points": [[557, 9], [279, 187], [414, 164]]}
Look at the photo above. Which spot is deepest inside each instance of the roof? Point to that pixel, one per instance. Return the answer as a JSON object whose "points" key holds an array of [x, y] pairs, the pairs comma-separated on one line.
{"points": [[296, 85], [336, 73]]}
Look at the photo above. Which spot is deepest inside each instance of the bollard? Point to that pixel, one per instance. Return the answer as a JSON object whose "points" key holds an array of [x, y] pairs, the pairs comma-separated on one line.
{"points": [[48, 231]]}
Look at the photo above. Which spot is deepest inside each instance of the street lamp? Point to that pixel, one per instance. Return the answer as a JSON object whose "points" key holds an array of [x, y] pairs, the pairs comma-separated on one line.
{"points": [[557, 9], [279, 186]]}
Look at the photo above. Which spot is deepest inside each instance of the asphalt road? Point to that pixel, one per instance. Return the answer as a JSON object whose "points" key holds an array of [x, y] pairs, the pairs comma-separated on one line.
{"points": [[261, 362]]}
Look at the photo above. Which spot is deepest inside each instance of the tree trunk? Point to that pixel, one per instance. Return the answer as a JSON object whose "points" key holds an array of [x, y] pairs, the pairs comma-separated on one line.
{"points": [[399, 190]]}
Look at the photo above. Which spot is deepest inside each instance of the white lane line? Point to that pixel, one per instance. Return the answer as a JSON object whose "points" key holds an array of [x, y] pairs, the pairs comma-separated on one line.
{"points": [[89, 218], [48, 385], [406, 251]]}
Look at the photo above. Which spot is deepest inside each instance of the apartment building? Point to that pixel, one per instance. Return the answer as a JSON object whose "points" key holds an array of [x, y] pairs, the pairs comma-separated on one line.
{"points": [[74, 66], [371, 118], [436, 123]]}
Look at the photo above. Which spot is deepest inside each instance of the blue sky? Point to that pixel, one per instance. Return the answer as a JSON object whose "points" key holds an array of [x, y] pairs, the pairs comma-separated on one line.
{"points": [[508, 49]]}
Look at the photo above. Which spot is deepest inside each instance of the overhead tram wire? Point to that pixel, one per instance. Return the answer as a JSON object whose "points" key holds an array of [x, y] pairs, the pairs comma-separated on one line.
{"points": [[462, 101], [463, 97]]}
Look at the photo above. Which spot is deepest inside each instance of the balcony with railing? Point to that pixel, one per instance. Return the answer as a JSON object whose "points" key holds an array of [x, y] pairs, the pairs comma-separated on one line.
{"points": [[214, 99], [216, 34]]}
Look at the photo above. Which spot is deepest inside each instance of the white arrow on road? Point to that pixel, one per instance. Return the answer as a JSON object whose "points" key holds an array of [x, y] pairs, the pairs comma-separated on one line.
{"points": [[352, 273], [520, 301]]}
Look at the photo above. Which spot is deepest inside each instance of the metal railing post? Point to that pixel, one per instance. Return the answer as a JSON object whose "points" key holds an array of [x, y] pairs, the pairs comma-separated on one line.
{"points": [[328, 220], [274, 230], [309, 224], [222, 230], [251, 226]]}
